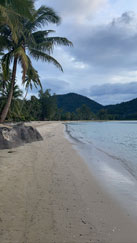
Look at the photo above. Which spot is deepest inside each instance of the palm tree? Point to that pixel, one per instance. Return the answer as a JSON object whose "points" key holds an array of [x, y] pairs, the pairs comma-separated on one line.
{"points": [[12, 10], [15, 104], [31, 42]]}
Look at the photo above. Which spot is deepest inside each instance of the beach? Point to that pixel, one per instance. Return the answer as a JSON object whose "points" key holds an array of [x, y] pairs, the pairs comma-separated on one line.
{"points": [[49, 195]]}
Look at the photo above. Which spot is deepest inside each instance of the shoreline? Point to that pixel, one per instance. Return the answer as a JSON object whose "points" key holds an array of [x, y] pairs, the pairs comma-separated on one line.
{"points": [[48, 195], [110, 171]]}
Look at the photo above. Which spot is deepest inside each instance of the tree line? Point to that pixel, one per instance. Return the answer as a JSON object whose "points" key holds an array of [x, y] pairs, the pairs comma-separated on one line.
{"points": [[44, 107]]}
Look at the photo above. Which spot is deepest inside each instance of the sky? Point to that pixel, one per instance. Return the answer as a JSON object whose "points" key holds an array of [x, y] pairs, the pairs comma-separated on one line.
{"points": [[102, 64]]}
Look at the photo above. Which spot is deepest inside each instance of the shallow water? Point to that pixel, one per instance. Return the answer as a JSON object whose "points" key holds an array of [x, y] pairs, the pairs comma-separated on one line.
{"points": [[110, 149]]}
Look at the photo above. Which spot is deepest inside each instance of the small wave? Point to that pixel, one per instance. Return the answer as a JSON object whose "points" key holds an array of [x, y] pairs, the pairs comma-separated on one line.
{"points": [[72, 137], [123, 162]]}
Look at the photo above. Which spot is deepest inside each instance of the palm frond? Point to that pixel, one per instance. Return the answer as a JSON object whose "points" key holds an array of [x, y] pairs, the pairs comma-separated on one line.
{"points": [[42, 16], [58, 41], [23, 8], [40, 35], [49, 43], [17, 92], [12, 10], [5, 61], [32, 77], [9, 18], [45, 57], [4, 42]]}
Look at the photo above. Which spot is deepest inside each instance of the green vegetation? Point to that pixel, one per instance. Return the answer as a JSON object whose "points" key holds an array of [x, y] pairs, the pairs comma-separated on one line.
{"points": [[124, 111], [70, 102], [22, 37], [47, 107], [42, 108]]}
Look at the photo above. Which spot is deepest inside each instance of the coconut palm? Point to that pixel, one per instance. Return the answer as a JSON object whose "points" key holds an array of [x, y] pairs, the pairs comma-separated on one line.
{"points": [[17, 92], [11, 12], [31, 43], [15, 104]]}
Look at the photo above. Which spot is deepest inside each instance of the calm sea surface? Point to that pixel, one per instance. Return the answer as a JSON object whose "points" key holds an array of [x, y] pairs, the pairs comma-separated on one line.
{"points": [[110, 149]]}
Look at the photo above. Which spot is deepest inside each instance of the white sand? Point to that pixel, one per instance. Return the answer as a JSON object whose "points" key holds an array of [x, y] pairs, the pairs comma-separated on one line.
{"points": [[47, 195]]}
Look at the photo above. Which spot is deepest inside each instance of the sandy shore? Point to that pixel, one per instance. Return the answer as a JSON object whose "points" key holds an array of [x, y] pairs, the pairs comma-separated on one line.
{"points": [[47, 195]]}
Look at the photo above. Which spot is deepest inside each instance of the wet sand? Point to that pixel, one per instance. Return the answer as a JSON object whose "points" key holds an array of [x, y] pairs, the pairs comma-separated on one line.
{"points": [[48, 195]]}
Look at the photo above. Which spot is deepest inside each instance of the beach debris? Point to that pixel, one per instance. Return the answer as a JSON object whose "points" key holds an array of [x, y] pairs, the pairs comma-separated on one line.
{"points": [[83, 221], [11, 151]]}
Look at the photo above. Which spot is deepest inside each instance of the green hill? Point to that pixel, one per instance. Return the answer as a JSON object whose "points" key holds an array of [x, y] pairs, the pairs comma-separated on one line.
{"points": [[124, 110], [71, 101]]}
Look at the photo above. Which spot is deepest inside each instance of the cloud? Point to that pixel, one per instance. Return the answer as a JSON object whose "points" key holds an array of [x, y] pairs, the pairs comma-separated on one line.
{"points": [[111, 89], [109, 47], [126, 18], [103, 52], [56, 85], [113, 93], [76, 9]]}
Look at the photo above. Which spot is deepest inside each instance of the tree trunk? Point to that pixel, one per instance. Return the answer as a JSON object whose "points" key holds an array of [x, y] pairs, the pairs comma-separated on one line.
{"points": [[5, 110]]}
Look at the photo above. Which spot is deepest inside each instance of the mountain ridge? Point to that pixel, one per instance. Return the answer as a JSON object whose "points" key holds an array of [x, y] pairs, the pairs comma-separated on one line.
{"points": [[70, 102], [125, 109]]}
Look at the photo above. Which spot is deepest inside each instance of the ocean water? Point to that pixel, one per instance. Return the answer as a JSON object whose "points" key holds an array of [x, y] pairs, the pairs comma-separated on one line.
{"points": [[110, 149]]}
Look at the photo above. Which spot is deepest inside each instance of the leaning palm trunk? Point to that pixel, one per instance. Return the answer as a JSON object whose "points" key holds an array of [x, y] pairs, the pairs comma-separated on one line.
{"points": [[5, 110]]}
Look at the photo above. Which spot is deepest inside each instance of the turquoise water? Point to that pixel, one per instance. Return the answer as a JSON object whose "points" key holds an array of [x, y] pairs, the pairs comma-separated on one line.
{"points": [[110, 150]]}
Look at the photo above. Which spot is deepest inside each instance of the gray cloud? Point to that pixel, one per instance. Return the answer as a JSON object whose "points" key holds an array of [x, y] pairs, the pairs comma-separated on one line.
{"points": [[101, 54], [112, 47], [104, 94], [56, 85], [105, 48], [111, 89], [113, 93], [76, 9], [126, 18]]}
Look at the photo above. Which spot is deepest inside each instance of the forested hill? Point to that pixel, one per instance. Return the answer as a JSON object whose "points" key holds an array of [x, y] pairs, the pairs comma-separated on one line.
{"points": [[125, 110], [71, 102]]}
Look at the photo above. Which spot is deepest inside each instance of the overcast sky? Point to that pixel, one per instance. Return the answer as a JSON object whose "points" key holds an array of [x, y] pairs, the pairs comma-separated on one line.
{"points": [[103, 62]]}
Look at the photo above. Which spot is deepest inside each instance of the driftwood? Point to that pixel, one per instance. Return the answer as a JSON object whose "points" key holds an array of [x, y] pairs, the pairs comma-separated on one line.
{"points": [[17, 135]]}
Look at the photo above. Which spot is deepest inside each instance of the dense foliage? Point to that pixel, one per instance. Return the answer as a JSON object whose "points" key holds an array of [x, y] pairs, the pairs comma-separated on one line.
{"points": [[70, 102], [45, 107], [42, 108], [125, 110]]}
